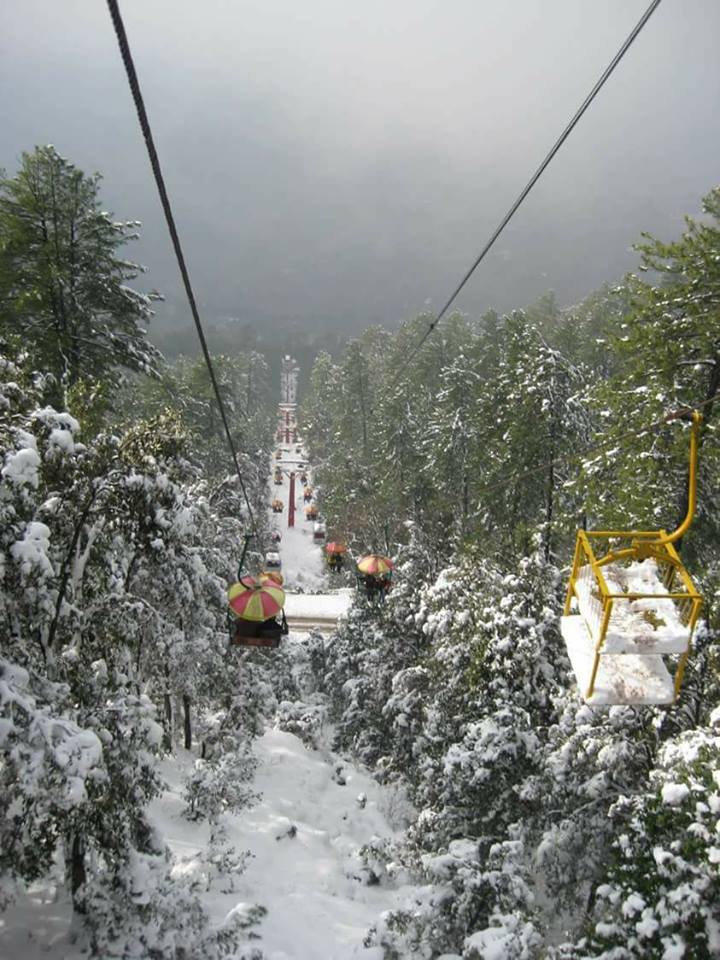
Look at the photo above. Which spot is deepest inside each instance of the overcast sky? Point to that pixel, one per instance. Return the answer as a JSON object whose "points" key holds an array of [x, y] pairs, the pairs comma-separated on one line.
{"points": [[343, 163]]}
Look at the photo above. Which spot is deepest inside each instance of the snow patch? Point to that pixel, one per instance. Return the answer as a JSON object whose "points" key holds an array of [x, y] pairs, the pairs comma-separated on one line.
{"points": [[673, 794]]}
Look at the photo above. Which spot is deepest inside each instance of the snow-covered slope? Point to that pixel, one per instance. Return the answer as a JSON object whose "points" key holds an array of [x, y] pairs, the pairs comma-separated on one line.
{"points": [[304, 834]]}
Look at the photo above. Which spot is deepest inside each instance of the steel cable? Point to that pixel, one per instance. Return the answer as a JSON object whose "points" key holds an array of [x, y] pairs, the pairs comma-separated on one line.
{"points": [[167, 209], [533, 180]]}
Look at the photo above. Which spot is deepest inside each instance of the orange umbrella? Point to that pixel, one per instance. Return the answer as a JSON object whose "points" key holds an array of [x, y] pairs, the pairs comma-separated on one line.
{"points": [[272, 576], [335, 547]]}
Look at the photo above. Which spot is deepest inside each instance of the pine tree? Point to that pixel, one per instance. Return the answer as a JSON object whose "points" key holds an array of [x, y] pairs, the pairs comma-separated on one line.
{"points": [[63, 285]]}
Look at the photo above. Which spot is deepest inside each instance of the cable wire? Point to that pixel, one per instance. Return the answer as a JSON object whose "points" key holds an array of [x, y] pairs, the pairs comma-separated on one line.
{"points": [[535, 177], [165, 200]]}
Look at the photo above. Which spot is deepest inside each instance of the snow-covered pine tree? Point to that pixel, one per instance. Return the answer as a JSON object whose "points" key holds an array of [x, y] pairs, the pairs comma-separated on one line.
{"points": [[63, 285]]}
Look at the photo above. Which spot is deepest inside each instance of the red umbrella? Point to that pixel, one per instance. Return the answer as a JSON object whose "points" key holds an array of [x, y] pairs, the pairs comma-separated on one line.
{"points": [[335, 547]]}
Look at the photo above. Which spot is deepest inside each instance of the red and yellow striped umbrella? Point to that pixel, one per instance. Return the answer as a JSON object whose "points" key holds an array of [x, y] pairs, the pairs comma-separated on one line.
{"points": [[375, 564], [245, 582], [242, 586], [335, 547], [272, 576], [257, 601]]}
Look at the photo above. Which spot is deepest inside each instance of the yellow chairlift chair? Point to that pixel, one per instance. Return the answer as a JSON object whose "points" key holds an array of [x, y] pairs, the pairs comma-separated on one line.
{"points": [[628, 610]]}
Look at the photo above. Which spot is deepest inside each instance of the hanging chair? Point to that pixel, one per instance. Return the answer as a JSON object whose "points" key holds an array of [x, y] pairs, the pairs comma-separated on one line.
{"points": [[374, 576], [254, 607], [631, 603]]}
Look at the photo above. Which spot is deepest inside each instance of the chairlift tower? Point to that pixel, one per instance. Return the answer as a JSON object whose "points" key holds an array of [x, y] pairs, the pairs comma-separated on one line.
{"points": [[288, 380]]}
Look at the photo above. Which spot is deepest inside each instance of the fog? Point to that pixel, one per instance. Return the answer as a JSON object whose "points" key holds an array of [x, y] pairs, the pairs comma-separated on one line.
{"points": [[333, 165]]}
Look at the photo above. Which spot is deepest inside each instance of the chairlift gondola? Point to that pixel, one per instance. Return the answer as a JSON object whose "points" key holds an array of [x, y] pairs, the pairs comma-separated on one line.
{"points": [[335, 555], [254, 608], [628, 609], [374, 576]]}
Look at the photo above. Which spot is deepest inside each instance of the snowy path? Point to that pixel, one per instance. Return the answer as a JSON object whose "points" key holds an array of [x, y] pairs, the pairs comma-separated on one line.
{"points": [[309, 878], [302, 558], [314, 814], [317, 611]]}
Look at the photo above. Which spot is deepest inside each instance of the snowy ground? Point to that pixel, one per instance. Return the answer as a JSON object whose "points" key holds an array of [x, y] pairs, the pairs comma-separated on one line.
{"points": [[304, 835], [36, 926], [320, 606]]}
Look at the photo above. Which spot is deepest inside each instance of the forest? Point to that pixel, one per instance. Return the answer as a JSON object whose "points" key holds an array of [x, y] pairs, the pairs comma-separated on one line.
{"points": [[476, 463], [540, 827]]}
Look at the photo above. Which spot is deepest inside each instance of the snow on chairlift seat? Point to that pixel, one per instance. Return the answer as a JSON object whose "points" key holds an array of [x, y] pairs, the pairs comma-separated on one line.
{"points": [[636, 604], [625, 679], [652, 607], [645, 624]]}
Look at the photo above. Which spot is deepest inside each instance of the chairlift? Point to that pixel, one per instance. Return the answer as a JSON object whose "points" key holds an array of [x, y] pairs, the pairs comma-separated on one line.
{"points": [[254, 608], [374, 576], [630, 603], [335, 555]]}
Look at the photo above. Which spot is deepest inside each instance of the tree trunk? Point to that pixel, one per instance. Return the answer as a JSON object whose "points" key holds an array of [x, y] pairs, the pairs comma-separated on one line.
{"points": [[167, 735], [76, 871], [549, 511], [550, 495], [362, 409], [712, 390], [186, 722], [66, 568]]}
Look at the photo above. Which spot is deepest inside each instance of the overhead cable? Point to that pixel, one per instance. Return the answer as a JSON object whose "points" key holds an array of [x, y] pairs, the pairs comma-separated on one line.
{"points": [[165, 200], [535, 177]]}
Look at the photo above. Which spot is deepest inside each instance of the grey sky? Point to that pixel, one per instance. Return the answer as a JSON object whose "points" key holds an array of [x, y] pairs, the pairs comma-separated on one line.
{"points": [[342, 163]]}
